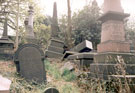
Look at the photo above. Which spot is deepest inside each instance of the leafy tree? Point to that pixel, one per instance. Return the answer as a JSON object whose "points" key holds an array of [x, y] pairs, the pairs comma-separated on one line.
{"points": [[86, 24], [42, 29]]}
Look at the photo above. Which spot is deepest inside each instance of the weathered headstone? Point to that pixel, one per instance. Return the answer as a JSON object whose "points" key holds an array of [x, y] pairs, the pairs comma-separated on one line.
{"points": [[4, 85], [113, 49], [51, 90], [29, 60], [55, 48]]}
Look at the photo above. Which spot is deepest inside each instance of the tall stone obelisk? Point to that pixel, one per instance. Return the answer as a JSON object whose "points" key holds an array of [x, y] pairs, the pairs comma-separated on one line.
{"points": [[5, 31], [55, 48], [54, 25], [113, 49], [113, 34]]}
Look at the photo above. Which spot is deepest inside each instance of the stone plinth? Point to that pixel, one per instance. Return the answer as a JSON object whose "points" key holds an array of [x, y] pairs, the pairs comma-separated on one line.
{"points": [[112, 63]]}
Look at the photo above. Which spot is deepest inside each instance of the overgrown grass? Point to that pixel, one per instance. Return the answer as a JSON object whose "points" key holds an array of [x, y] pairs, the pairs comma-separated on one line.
{"points": [[54, 71], [69, 89], [68, 75], [65, 82]]}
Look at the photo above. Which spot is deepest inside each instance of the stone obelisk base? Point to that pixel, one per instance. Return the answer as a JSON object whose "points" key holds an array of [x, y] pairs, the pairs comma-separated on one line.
{"points": [[114, 46]]}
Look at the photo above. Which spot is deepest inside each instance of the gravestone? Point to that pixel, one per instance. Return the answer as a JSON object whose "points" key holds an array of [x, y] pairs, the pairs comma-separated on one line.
{"points": [[51, 90], [85, 46], [113, 50], [29, 60], [4, 85], [82, 52], [55, 48]]}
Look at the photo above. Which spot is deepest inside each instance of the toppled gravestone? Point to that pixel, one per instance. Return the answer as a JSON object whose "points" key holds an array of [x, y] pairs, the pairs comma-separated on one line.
{"points": [[4, 85], [51, 90], [85, 46], [69, 66], [29, 62], [82, 52]]}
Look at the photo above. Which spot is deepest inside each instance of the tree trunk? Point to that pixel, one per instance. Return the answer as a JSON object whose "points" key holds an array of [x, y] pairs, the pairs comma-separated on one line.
{"points": [[69, 36], [17, 26]]}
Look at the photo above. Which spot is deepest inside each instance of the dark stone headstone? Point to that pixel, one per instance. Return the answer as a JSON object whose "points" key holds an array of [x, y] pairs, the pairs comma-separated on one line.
{"points": [[85, 46], [29, 62], [51, 90]]}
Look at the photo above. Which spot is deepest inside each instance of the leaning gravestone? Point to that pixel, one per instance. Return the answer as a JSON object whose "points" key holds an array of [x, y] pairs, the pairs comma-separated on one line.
{"points": [[29, 62], [85, 46], [51, 90]]}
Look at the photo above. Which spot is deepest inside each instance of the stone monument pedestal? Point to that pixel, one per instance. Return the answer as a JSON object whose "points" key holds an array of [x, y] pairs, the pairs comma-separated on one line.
{"points": [[113, 58], [111, 63], [114, 46], [113, 35]]}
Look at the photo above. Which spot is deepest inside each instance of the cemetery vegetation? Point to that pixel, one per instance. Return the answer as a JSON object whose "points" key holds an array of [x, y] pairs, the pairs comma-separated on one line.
{"points": [[66, 82]]}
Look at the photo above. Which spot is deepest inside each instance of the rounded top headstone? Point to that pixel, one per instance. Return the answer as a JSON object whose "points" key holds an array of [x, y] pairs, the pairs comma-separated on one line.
{"points": [[51, 90]]}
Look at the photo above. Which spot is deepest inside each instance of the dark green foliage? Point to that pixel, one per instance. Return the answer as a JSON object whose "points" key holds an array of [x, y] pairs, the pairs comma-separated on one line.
{"points": [[68, 75], [42, 29], [86, 24]]}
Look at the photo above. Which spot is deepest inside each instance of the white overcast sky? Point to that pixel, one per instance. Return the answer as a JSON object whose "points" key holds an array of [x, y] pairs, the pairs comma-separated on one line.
{"points": [[128, 5]]}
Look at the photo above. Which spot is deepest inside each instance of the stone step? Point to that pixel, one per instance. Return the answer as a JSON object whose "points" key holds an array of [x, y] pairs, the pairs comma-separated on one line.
{"points": [[112, 69], [85, 55], [51, 54], [114, 58]]}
